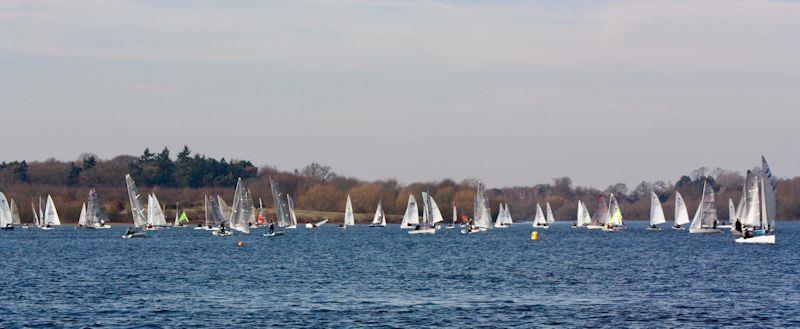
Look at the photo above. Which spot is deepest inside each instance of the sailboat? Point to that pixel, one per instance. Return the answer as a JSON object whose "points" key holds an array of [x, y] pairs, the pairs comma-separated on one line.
{"points": [[731, 215], [550, 218], [282, 215], [502, 220], [762, 206], [681, 213], [482, 220], [139, 219], [380, 218], [614, 222], [656, 213], [411, 217], [155, 214], [181, 219], [705, 218], [583, 217], [96, 217], [6, 222], [50, 215], [349, 217], [292, 215], [600, 215], [82, 218], [207, 212], [429, 213], [539, 220], [15, 213], [317, 224]]}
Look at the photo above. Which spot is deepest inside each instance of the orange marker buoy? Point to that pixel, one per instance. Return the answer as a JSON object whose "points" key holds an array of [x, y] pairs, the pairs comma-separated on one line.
{"points": [[241, 244]]}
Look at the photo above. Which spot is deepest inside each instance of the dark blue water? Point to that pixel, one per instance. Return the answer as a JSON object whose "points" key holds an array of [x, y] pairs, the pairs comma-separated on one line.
{"points": [[366, 277]]}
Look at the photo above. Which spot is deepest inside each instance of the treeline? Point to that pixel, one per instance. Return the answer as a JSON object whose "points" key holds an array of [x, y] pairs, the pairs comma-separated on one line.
{"points": [[183, 180]]}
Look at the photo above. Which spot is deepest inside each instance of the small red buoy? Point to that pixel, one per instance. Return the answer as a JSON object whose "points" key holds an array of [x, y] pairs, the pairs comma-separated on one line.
{"points": [[241, 244]]}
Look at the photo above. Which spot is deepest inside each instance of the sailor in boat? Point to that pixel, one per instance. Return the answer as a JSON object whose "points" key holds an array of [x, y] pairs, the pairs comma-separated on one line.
{"points": [[149, 226], [79, 225], [271, 227], [737, 226], [7, 227], [221, 229], [676, 226], [129, 232], [201, 225], [48, 225]]}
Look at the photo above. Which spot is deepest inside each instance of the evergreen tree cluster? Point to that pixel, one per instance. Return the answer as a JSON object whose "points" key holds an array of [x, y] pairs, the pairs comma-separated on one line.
{"points": [[152, 169]]}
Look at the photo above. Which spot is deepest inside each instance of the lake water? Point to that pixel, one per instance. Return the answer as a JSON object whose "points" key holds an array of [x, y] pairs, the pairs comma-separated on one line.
{"points": [[366, 277]]}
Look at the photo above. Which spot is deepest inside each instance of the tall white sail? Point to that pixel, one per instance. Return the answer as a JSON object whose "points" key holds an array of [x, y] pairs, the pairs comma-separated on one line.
{"points": [[435, 211], [681, 213], [656, 211], [15, 213], [411, 217], [501, 214], [380, 217], [770, 208], [614, 212], [282, 215], [36, 221], [94, 209], [241, 209], [550, 218], [139, 217], [508, 219], [5, 211], [752, 205], [154, 212], [587, 219], [50, 213], [292, 215], [706, 215], [349, 217], [539, 219], [579, 215], [483, 216], [82, 216], [731, 211], [224, 209]]}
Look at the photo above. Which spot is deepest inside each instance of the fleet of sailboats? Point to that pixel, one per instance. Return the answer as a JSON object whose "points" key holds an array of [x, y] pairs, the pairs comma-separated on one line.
{"points": [[753, 218]]}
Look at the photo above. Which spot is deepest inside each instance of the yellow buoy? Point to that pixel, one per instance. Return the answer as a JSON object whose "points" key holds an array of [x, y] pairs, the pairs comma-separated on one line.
{"points": [[241, 244], [535, 235]]}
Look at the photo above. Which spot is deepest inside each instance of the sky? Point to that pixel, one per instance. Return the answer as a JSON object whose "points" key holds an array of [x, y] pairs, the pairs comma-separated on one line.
{"points": [[513, 92]]}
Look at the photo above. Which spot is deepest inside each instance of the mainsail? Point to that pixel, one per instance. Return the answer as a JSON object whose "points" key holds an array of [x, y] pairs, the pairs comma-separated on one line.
{"points": [[5, 211], [282, 216], [731, 211], [601, 214], [508, 219], [349, 217], [706, 215], [82, 217], [500, 216], [50, 213], [483, 216], [615, 214], [539, 220], [292, 215], [95, 215], [155, 215], [139, 218], [380, 217], [769, 210], [681, 213], [580, 218], [224, 209], [15, 213], [36, 221], [550, 218], [656, 211], [750, 213], [411, 217], [242, 209]]}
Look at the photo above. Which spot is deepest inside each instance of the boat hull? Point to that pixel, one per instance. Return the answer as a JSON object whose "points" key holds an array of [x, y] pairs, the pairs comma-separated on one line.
{"points": [[704, 230], [137, 235], [595, 227], [221, 234], [423, 231], [655, 229], [542, 227], [763, 239]]}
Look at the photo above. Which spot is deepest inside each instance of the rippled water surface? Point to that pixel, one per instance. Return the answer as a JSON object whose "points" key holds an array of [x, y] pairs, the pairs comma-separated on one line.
{"points": [[384, 277]]}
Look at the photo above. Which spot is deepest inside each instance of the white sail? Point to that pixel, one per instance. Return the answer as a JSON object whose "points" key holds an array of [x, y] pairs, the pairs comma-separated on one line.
{"points": [[15, 213], [411, 217], [82, 217], [550, 218], [483, 216], [579, 217], [706, 215], [139, 218], [224, 210], [508, 219], [50, 213], [5, 211], [349, 217], [614, 212], [241, 209], [36, 221], [587, 218], [154, 212], [656, 211], [752, 205], [380, 217], [95, 215], [681, 213], [437, 214], [731, 211], [769, 195], [500, 216], [292, 215], [455, 214], [539, 219], [282, 216]]}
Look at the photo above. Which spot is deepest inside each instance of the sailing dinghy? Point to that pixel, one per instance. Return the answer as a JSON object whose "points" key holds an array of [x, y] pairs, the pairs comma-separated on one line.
{"points": [[282, 215], [139, 219], [705, 218], [455, 217], [482, 220], [614, 222], [430, 215], [50, 215], [96, 217], [656, 213], [600, 215], [539, 221], [759, 224], [411, 216], [317, 224], [681, 213], [583, 217], [380, 218], [5, 214], [349, 216]]}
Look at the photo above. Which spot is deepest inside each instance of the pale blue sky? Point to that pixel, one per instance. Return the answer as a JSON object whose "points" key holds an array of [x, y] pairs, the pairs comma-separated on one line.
{"points": [[514, 92]]}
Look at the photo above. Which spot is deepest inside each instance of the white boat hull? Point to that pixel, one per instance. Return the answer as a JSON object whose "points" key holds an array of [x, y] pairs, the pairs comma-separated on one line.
{"points": [[595, 227], [423, 231], [723, 226], [502, 226], [309, 225], [478, 230], [221, 234], [704, 230], [655, 229], [542, 227], [764, 239]]}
